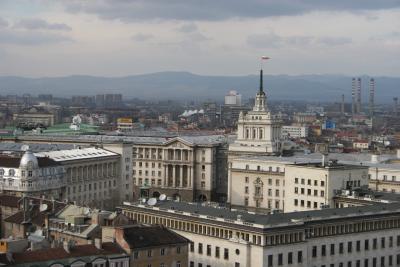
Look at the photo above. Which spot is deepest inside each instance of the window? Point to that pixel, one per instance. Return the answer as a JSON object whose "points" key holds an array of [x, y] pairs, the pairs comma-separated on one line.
{"points": [[309, 182], [270, 260], [302, 191], [315, 192], [200, 249], [246, 189], [302, 181], [314, 251], [358, 245], [323, 250], [246, 179], [149, 253], [382, 242], [226, 254], [178, 250], [315, 182], [178, 264], [280, 259], [349, 247], [332, 249], [208, 250], [217, 252], [290, 258], [322, 193], [322, 183], [296, 190], [300, 256], [296, 202], [191, 247], [296, 180], [366, 244], [341, 248], [374, 243], [308, 192]]}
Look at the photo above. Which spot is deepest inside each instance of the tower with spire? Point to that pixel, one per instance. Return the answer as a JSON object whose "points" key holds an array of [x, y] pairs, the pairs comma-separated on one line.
{"points": [[259, 132]]}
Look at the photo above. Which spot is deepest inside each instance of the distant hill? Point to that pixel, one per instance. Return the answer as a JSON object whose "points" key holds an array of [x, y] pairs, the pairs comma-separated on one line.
{"points": [[188, 86]]}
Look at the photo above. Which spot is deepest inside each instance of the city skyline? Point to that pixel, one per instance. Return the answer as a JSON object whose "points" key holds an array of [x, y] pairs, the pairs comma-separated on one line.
{"points": [[119, 38]]}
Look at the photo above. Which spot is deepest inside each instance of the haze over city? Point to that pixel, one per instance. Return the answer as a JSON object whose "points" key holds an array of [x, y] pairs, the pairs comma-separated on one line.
{"points": [[40, 38]]}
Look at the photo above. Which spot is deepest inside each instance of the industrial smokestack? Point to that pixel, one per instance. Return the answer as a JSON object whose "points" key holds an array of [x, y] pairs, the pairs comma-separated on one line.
{"points": [[371, 96], [395, 105]]}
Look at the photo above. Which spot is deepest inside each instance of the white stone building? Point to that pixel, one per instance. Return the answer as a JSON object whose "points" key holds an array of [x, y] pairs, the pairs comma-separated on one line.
{"points": [[359, 237], [293, 131], [31, 175], [92, 175], [259, 132]]}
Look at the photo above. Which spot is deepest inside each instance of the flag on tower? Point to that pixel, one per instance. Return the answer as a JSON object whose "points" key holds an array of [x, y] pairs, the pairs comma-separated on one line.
{"points": [[265, 57]]}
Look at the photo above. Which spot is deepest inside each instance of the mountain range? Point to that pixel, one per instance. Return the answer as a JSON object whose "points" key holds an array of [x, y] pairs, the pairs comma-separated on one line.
{"points": [[188, 86]]}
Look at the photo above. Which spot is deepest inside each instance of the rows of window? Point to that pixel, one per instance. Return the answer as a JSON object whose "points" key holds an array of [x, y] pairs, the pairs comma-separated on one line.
{"points": [[208, 250], [152, 252], [196, 228], [295, 258], [309, 182], [308, 203], [269, 169]]}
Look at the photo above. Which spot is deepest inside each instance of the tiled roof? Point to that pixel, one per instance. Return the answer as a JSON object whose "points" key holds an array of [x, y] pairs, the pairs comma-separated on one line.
{"points": [[139, 236], [35, 216], [59, 253], [9, 201]]}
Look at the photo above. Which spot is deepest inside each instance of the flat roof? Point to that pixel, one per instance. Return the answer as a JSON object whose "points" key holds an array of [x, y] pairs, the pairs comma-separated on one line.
{"points": [[267, 220], [76, 154]]}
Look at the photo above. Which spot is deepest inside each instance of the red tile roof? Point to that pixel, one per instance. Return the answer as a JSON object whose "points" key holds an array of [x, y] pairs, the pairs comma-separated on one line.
{"points": [[59, 253]]}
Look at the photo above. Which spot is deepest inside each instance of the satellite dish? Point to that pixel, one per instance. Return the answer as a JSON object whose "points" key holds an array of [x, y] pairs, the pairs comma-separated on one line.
{"points": [[25, 147], [76, 119], [43, 207], [162, 197], [143, 200], [152, 201]]}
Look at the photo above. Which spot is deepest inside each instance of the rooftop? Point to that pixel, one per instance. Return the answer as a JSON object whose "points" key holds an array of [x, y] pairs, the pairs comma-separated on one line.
{"points": [[76, 154], [139, 236], [266, 220], [60, 255], [13, 161]]}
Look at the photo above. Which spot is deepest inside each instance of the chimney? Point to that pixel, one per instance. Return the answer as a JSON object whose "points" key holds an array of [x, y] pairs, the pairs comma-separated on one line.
{"points": [[98, 243]]}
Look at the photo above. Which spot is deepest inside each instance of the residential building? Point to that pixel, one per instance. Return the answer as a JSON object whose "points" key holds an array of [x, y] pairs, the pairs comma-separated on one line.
{"points": [[293, 131], [150, 245]]}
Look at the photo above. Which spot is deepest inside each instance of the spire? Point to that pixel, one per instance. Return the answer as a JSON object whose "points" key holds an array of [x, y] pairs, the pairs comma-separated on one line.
{"points": [[261, 81]]}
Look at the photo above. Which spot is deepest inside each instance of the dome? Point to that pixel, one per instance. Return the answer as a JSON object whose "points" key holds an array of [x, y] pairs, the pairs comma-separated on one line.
{"points": [[29, 160]]}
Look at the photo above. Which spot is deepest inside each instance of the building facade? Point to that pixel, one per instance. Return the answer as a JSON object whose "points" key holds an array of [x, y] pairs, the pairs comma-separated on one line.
{"points": [[358, 236], [31, 175]]}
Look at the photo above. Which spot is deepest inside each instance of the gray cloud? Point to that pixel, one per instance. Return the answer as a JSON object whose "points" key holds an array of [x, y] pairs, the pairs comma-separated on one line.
{"points": [[30, 38], [3, 23], [272, 40], [216, 10], [188, 27], [40, 24], [141, 37]]}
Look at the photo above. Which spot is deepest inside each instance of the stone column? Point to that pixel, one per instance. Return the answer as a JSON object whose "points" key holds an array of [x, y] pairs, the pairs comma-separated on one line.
{"points": [[165, 175], [181, 175], [173, 176]]}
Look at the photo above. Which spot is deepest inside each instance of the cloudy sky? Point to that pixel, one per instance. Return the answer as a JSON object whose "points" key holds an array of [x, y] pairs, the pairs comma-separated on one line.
{"points": [[216, 37]]}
